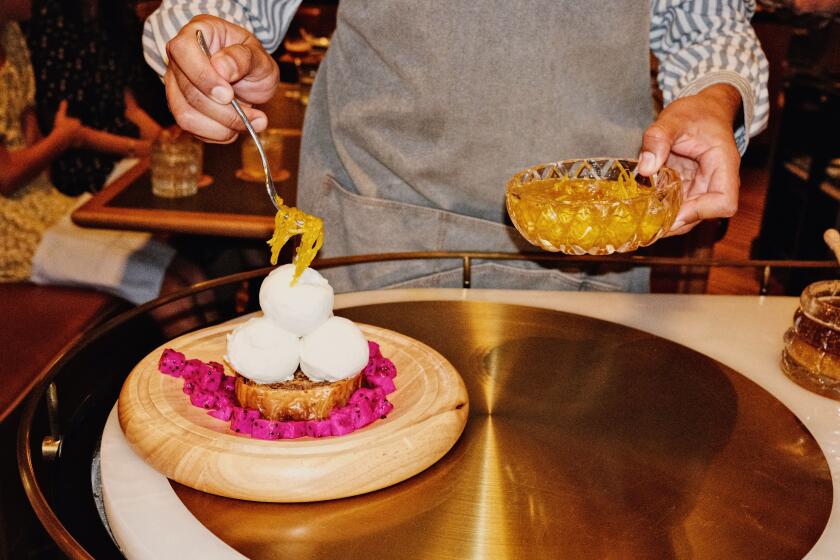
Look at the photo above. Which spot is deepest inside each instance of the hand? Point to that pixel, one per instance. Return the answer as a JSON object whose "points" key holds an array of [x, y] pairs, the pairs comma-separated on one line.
{"points": [[693, 135], [67, 129], [199, 89]]}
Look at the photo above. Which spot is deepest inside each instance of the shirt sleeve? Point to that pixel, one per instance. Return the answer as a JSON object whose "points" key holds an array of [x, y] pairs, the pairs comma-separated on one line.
{"points": [[704, 42], [268, 20]]}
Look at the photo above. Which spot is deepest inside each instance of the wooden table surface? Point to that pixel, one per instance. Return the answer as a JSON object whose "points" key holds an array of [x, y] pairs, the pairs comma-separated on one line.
{"points": [[229, 207]]}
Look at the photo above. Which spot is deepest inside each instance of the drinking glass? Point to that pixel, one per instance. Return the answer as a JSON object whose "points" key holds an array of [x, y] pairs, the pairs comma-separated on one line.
{"points": [[272, 141], [176, 166], [811, 356]]}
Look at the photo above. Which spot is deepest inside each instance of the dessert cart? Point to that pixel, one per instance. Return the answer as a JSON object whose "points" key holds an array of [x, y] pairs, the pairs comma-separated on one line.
{"points": [[601, 425]]}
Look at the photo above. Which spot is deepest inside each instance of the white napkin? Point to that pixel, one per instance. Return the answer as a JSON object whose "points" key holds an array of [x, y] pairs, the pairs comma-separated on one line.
{"points": [[127, 264]]}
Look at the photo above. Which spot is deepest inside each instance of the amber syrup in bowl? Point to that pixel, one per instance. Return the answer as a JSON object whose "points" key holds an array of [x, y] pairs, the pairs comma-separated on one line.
{"points": [[592, 206]]}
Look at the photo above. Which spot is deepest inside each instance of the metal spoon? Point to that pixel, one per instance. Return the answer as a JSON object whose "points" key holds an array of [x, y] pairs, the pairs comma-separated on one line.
{"points": [[269, 182]]}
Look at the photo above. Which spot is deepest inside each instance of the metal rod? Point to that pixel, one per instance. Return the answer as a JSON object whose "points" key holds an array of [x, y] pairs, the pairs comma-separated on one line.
{"points": [[52, 410], [467, 272], [765, 281], [51, 444], [615, 259]]}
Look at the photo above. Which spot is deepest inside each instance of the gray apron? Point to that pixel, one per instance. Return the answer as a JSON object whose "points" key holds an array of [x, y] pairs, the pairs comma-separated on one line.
{"points": [[422, 110]]}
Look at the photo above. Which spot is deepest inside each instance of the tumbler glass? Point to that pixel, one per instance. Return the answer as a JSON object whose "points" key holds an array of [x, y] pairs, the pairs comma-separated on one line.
{"points": [[176, 166]]}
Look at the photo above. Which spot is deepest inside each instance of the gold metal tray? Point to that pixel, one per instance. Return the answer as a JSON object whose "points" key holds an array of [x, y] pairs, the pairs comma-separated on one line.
{"points": [[586, 439]]}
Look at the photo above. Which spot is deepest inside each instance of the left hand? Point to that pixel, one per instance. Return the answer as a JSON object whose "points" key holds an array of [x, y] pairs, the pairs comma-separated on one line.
{"points": [[694, 136]]}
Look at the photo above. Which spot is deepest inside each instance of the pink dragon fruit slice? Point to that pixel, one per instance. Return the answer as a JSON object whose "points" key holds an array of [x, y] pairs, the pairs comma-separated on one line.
{"points": [[293, 429], [383, 409], [370, 395], [362, 394], [229, 384], [380, 366], [203, 399], [362, 414], [210, 378], [211, 389], [370, 368], [217, 367], [384, 366], [383, 382], [193, 369], [319, 428], [242, 419], [223, 412], [223, 399], [341, 421], [276, 429], [171, 362], [265, 429], [189, 386], [378, 396]]}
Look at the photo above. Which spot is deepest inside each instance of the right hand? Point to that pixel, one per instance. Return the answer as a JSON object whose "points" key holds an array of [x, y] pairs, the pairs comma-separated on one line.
{"points": [[66, 128], [199, 89]]}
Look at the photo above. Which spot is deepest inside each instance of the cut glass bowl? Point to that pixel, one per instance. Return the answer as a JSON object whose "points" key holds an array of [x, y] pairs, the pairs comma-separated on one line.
{"points": [[567, 206]]}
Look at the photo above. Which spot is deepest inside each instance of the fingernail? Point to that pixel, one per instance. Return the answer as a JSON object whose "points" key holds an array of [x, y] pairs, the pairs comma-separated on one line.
{"points": [[677, 225], [647, 162], [220, 94]]}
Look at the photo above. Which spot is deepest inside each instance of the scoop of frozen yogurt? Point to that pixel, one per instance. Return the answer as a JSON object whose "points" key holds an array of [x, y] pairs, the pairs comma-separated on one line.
{"points": [[263, 352], [299, 309], [335, 350]]}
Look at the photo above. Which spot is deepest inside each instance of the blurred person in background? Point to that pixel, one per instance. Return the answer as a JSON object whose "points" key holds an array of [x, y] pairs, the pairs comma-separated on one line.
{"points": [[37, 240], [85, 52], [422, 110]]}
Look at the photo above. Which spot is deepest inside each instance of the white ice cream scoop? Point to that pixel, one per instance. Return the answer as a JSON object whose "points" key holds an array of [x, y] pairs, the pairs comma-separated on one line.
{"points": [[263, 352], [301, 308], [335, 350]]}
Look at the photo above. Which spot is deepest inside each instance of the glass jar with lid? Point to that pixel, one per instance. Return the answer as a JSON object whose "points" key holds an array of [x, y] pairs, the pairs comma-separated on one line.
{"points": [[812, 345]]}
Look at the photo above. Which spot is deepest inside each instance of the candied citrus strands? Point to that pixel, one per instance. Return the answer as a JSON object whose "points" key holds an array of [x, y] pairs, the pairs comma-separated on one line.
{"points": [[289, 222]]}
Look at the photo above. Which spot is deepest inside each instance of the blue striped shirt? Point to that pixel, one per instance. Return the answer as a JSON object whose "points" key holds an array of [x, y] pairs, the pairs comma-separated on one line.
{"points": [[698, 43]]}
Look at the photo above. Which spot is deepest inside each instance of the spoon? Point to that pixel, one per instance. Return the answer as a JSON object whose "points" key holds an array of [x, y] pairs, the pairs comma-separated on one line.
{"points": [[269, 182]]}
